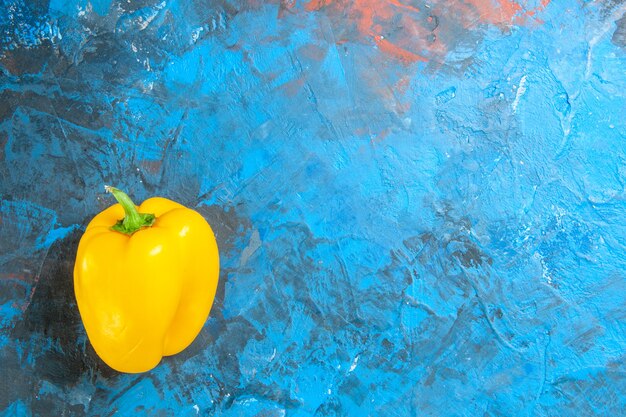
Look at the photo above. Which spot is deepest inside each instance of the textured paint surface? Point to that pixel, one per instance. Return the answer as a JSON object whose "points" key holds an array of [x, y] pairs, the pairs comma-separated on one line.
{"points": [[420, 205]]}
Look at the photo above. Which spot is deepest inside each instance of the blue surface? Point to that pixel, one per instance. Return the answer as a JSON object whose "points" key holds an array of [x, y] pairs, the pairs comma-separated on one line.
{"points": [[420, 206]]}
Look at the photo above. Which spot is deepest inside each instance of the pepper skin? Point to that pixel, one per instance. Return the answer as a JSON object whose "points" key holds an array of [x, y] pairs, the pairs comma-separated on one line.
{"points": [[145, 292]]}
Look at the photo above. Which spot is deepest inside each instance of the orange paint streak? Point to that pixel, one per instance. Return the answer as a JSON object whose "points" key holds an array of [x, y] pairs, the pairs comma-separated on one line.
{"points": [[407, 33], [317, 4], [364, 13], [397, 52], [371, 18], [501, 12], [495, 11]]}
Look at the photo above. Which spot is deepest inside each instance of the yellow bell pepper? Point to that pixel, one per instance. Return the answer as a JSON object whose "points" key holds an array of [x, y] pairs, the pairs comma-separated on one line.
{"points": [[145, 279]]}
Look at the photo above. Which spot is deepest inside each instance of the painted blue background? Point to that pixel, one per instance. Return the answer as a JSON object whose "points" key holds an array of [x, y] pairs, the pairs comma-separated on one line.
{"points": [[432, 226]]}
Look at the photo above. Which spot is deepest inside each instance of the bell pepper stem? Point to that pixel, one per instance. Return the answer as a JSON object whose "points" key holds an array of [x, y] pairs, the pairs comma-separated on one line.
{"points": [[133, 220]]}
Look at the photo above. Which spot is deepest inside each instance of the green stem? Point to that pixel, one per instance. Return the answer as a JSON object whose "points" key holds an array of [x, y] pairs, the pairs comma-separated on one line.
{"points": [[133, 220]]}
